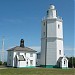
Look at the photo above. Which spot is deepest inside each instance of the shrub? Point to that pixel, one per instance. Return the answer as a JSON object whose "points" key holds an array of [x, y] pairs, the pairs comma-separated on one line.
{"points": [[0, 62], [71, 62]]}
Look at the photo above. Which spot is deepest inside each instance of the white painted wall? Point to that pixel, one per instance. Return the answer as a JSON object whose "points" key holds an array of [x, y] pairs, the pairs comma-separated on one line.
{"points": [[59, 44], [43, 45], [51, 28], [20, 63], [59, 31], [10, 58], [51, 51], [54, 41]]}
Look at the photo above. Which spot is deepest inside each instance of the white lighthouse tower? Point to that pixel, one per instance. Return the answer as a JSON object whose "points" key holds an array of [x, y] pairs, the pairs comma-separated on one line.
{"points": [[52, 52]]}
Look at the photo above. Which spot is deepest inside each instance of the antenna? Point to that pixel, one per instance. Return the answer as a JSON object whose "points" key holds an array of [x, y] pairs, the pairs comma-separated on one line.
{"points": [[2, 51]]}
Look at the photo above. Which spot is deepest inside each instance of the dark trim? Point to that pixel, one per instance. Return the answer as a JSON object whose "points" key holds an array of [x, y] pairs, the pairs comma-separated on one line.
{"points": [[46, 44], [49, 66]]}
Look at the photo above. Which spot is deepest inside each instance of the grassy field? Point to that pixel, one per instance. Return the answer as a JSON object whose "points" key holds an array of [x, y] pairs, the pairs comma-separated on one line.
{"points": [[36, 71]]}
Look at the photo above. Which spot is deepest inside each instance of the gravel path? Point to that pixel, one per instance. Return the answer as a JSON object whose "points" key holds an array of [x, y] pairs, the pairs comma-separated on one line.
{"points": [[3, 67]]}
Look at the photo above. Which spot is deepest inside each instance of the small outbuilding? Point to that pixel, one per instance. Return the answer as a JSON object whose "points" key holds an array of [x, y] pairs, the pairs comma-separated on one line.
{"points": [[62, 62], [21, 56]]}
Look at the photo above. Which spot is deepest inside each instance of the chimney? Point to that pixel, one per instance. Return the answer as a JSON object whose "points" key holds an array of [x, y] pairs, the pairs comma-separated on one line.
{"points": [[22, 43]]}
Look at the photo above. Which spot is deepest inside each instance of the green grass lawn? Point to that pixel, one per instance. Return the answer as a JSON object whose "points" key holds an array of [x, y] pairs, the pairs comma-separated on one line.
{"points": [[36, 71]]}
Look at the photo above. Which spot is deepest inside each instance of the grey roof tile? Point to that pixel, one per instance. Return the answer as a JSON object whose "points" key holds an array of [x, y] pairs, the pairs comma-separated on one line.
{"points": [[60, 59], [18, 48]]}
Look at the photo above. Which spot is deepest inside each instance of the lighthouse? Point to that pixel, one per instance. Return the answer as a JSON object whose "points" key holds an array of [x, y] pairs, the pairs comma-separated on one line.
{"points": [[52, 52]]}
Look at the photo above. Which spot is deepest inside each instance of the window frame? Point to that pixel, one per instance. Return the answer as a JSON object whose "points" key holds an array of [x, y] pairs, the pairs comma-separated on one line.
{"points": [[44, 23], [59, 52], [58, 26], [64, 62], [31, 62], [44, 33], [31, 54]]}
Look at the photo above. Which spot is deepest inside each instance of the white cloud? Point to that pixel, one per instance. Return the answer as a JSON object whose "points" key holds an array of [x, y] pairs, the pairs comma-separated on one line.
{"points": [[13, 20], [69, 51], [73, 49]]}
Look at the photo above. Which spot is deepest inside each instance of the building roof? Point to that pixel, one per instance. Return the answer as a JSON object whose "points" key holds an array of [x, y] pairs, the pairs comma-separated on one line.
{"points": [[61, 58], [18, 48]]}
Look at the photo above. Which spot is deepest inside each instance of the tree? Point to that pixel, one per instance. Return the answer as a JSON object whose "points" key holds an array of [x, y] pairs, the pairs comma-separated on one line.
{"points": [[71, 62], [5, 63]]}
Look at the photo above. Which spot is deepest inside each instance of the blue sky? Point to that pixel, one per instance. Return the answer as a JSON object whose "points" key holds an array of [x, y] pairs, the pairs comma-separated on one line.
{"points": [[22, 19]]}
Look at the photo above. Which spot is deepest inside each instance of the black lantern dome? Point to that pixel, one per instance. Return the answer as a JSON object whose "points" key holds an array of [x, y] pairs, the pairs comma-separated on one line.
{"points": [[22, 43]]}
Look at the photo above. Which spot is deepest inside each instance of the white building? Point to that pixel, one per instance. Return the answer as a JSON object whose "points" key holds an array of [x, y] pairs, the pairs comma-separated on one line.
{"points": [[21, 56], [52, 52]]}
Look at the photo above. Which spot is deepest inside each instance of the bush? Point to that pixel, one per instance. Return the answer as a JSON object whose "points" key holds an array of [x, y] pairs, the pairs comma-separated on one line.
{"points": [[0, 62], [71, 62]]}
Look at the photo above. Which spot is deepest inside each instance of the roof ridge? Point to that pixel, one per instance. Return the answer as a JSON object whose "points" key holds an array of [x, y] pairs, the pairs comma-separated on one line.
{"points": [[18, 48]]}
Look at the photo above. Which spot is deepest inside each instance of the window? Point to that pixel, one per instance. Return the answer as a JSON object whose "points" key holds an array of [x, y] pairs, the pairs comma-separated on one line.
{"points": [[18, 53], [27, 62], [47, 12], [31, 54], [44, 33], [64, 62], [44, 24], [59, 52], [9, 61], [10, 54], [58, 26], [31, 62], [25, 54], [38, 56]]}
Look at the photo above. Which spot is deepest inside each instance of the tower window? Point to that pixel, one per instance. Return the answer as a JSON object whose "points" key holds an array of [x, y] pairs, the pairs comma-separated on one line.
{"points": [[59, 52], [44, 33], [47, 12], [9, 61], [10, 53], [44, 24], [58, 26]]}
